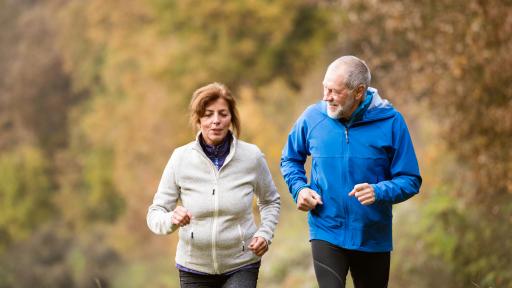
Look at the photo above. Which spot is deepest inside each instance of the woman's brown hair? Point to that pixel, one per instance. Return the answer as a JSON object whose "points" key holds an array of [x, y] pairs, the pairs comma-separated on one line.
{"points": [[208, 94]]}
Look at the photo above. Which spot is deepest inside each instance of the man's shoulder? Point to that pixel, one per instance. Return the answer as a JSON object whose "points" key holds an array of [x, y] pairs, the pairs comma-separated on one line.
{"points": [[317, 108], [314, 113]]}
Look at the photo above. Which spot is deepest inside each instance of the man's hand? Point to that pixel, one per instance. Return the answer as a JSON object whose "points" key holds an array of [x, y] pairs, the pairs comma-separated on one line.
{"points": [[364, 193], [258, 246], [308, 199], [181, 216]]}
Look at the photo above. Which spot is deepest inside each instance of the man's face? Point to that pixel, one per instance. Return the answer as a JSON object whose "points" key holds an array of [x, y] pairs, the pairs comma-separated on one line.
{"points": [[340, 100]]}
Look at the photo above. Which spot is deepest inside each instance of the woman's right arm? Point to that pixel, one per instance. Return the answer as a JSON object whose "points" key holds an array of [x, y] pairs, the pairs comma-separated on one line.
{"points": [[159, 217]]}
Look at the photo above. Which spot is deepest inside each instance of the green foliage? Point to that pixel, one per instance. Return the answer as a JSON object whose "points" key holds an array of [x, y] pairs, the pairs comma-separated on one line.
{"points": [[102, 201], [142, 274], [441, 240], [25, 194], [53, 257], [237, 41]]}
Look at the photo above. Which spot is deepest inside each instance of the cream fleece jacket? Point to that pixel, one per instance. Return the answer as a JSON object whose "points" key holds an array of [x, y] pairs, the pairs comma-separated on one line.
{"points": [[220, 202]]}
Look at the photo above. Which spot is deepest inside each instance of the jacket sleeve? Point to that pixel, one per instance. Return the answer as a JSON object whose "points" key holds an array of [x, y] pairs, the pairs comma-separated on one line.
{"points": [[269, 201], [405, 175], [160, 212], [295, 153]]}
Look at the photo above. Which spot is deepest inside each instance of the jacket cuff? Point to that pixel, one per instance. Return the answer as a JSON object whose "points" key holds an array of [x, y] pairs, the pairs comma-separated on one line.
{"points": [[297, 191], [168, 223], [264, 236], [378, 193]]}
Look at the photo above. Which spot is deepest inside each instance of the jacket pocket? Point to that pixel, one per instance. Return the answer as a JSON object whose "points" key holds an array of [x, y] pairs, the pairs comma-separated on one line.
{"points": [[242, 238], [190, 236], [315, 185]]}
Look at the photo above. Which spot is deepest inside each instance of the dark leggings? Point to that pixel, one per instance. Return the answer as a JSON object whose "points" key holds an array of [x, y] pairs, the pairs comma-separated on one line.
{"points": [[242, 278], [368, 270]]}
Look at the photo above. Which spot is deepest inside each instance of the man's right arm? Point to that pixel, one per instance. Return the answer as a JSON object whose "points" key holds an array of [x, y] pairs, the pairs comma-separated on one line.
{"points": [[294, 156]]}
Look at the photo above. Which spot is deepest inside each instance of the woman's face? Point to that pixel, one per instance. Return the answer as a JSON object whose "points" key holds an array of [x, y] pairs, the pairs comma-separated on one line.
{"points": [[215, 122]]}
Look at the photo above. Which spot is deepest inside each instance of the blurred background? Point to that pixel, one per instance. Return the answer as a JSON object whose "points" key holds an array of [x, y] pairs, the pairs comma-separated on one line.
{"points": [[94, 97]]}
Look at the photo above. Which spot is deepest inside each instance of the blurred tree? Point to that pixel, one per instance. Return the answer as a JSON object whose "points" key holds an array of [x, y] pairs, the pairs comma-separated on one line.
{"points": [[35, 92], [53, 257], [36, 102], [25, 194], [225, 38], [453, 54]]}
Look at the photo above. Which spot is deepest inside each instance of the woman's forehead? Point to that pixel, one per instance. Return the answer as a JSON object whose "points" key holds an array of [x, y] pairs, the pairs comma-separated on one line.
{"points": [[218, 104]]}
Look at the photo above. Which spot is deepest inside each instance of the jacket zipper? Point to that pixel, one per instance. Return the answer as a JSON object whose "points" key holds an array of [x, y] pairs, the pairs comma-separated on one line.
{"points": [[345, 204], [216, 204], [215, 212]]}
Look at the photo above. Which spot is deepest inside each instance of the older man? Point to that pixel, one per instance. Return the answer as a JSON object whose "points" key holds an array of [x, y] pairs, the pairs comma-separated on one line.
{"points": [[363, 162]]}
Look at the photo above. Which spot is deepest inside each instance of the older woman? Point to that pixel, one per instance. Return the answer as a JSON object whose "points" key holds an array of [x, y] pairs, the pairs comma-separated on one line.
{"points": [[215, 178]]}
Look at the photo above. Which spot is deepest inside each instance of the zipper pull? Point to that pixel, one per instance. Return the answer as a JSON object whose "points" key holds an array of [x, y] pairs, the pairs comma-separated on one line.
{"points": [[243, 246], [213, 193], [346, 134], [192, 234]]}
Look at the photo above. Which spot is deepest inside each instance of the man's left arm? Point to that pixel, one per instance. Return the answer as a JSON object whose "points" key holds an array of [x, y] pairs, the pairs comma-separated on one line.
{"points": [[405, 174]]}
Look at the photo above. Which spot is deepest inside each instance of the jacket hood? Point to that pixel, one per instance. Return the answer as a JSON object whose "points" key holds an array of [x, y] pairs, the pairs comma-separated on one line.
{"points": [[379, 108], [377, 101]]}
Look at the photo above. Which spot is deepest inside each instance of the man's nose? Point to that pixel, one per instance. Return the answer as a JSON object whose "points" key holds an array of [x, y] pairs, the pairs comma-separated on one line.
{"points": [[327, 95]]}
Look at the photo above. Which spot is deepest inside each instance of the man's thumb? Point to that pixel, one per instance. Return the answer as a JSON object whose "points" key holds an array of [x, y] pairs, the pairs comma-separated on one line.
{"points": [[318, 199]]}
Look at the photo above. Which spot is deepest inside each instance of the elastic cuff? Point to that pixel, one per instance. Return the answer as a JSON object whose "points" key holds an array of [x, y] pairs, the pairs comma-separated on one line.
{"points": [[378, 193], [170, 227], [297, 191], [269, 241]]}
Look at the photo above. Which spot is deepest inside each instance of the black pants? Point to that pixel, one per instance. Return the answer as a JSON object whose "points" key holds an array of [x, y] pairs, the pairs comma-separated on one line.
{"points": [[332, 263], [243, 278]]}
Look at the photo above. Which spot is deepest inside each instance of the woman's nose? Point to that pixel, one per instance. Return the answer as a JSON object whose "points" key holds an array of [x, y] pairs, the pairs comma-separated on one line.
{"points": [[216, 119]]}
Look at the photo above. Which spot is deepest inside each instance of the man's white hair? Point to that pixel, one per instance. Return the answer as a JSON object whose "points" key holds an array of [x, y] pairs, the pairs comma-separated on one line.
{"points": [[355, 70]]}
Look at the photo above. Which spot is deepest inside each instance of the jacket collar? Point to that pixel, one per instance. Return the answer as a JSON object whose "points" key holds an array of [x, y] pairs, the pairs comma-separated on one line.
{"points": [[232, 147]]}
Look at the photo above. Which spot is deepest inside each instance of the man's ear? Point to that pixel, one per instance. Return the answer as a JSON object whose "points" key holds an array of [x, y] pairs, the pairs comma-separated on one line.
{"points": [[360, 91]]}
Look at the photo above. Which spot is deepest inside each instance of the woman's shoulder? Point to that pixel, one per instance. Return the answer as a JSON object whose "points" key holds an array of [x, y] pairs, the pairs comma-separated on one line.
{"points": [[248, 149], [184, 149]]}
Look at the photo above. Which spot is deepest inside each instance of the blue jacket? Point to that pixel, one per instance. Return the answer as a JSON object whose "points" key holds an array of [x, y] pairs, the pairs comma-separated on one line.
{"points": [[375, 148]]}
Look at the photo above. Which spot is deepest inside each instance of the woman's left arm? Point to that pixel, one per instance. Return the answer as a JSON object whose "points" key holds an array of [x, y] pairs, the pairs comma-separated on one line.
{"points": [[269, 201]]}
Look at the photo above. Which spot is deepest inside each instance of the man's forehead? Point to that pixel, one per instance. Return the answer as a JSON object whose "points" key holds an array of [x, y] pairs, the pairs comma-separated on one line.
{"points": [[334, 77]]}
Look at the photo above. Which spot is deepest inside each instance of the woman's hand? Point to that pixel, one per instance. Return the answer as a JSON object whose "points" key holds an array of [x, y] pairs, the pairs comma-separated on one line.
{"points": [[258, 246], [181, 216]]}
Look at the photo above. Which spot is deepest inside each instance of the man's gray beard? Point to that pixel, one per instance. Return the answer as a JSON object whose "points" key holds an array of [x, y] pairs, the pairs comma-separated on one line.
{"points": [[336, 114]]}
